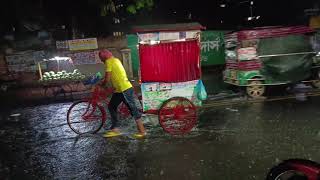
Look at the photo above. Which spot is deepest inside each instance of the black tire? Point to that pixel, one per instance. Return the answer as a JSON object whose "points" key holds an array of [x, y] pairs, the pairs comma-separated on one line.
{"points": [[285, 172], [91, 126]]}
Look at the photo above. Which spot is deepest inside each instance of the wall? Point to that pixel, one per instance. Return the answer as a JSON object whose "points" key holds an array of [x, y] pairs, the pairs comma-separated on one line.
{"points": [[114, 44]]}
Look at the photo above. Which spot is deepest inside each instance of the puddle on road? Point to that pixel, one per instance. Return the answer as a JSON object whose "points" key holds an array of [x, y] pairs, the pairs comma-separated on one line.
{"points": [[240, 142]]}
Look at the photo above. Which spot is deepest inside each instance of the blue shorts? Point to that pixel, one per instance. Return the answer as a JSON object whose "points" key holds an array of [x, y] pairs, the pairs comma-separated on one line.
{"points": [[126, 97]]}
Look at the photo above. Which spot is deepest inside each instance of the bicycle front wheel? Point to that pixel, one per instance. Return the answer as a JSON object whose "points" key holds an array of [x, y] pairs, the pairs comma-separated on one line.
{"points": [[83, 117]]}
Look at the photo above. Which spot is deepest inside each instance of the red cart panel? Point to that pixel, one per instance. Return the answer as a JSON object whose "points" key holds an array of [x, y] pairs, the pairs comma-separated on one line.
{"points": [[170, 62]]}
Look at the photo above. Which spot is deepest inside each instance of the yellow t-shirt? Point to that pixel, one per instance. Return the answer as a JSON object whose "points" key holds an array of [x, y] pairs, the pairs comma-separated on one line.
{"points": [[119, 77]]}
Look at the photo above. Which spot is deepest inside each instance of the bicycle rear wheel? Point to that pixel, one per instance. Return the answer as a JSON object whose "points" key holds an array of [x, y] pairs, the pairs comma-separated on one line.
{"points": [[83, 117]]}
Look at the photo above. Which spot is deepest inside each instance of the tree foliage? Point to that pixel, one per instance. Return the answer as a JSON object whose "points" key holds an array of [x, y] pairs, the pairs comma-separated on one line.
{"points": [[140, 4], [131, 6]]}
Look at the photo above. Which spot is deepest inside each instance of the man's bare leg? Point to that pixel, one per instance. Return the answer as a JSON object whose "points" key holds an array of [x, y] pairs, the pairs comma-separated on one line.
{"points": [[116, 130], [140, 127]]}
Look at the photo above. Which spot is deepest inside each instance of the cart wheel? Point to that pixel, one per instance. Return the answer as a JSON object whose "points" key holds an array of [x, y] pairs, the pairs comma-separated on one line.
{"points": [[177, 116], [255, 89]]}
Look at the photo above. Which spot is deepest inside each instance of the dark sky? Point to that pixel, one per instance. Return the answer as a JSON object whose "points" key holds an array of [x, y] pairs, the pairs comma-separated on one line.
{"points": [[272, 12], [207, 12]]}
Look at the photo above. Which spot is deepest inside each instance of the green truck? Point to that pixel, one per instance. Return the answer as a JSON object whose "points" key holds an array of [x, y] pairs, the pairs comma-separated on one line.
{"points": [[270, 56]]}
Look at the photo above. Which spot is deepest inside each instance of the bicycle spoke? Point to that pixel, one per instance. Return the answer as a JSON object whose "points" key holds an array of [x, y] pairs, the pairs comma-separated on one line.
{"points": [[85, 118]]}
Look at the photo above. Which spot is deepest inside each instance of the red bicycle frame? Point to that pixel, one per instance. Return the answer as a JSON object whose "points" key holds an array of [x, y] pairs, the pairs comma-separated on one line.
{"points": [[100, 94]]}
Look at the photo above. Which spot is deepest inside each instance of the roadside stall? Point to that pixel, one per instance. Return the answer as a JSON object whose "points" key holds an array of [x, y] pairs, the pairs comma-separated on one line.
{"points": [[59, 76], [76, 64], [270, 56], [170, 74], [63, 75]]}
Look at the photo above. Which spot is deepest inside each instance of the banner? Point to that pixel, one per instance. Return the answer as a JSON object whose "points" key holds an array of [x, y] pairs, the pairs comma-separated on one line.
{"points": [[88, 57], [83, 44], [155, 94], [148, 37], [24, 62], [164, 36], [212, 50], [62, 45]]}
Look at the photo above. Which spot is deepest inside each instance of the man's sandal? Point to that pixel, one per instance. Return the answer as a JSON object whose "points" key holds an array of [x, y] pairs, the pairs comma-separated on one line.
{"points": [[139, 135], [110, 134]]}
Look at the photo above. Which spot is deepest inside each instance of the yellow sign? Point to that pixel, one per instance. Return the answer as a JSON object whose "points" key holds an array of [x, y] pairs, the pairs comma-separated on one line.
{"points": [[83, 44], [315, 22]]}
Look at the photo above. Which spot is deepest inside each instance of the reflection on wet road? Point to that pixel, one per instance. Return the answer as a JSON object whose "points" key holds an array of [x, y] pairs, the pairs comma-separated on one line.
{"points": [[230, 143]]}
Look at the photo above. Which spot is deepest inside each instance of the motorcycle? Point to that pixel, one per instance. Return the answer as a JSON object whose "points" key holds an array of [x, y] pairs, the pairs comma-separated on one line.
{"points": [[295, 169]]}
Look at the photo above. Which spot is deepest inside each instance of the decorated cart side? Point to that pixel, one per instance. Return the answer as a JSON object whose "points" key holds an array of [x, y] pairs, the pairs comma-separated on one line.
{"points": [[270, 56], [170, 73]]}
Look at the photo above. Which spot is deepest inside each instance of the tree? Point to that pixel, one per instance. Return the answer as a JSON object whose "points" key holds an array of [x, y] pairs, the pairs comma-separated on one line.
{"points": [[132, 6]]}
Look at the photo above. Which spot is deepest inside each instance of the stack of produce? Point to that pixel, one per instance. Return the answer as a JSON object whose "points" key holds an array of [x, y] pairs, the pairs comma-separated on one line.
{"points": [[63, 76]]}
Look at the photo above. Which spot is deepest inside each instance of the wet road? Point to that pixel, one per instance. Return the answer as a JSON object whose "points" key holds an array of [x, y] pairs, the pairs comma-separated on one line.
{"points": [[230, 143]]}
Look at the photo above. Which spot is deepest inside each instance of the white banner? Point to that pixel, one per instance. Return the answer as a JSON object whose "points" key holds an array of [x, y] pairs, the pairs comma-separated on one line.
{"points": [[169, 36], [83, 44], [148, 37]]}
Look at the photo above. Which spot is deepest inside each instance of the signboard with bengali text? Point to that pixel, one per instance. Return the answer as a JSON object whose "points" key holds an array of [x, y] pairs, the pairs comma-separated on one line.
{"points": [[83, 44], [212, 49]]}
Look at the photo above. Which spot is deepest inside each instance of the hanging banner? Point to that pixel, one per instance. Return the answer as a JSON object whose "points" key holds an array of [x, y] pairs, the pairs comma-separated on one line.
{"points": [[88, 57], [148, 37], [83, 44], [25, 61], [164, 36]]}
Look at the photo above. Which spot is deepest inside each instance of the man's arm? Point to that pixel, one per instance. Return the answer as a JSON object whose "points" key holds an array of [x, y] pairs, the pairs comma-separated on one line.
{"points": [[106, 80], [107, 75]]}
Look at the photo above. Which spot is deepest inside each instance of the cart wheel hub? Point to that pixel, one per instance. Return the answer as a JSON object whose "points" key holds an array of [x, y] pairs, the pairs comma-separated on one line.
{"points": [[255, 89]]}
